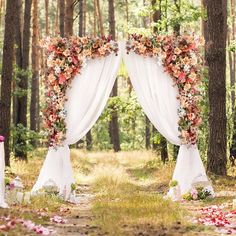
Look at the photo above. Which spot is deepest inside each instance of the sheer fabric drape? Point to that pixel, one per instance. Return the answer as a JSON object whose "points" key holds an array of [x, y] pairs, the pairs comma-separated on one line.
{"points": [[2, 176], [158, 98], [87, 98]]}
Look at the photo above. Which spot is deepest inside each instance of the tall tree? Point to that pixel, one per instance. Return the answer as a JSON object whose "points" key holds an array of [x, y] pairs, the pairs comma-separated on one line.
{"points": [[23, 84], [81, 17], [176, 27], [18, 56], [6, 79], [46, 17], [34, 103], [156, 17], [147, 121], [216, 61], [94, 18], [69, 17], [84, 15], [232, 67], [100, 18], [113, 125], [62, 17]]}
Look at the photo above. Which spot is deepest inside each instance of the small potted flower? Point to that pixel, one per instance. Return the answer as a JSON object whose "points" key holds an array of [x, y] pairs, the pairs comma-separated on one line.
{"points": [[174, 191]]}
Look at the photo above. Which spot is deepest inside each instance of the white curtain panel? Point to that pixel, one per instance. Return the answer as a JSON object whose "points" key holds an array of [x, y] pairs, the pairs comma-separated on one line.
{"points": [[158, 98], [2, 176], [87, 98]]}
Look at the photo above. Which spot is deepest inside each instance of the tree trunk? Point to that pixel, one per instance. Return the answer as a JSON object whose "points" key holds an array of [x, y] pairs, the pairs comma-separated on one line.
{"points": [[56, 30], [89, 141], [84, 14], [147, 133], [69, 17], [113, 125], [6, 80], [34, 103], [216, 61], [156, 14], [147, 121], [232, 62], [21, 152], [94, 18], [163, 143], [81, 17], [46, 17], [62, 17], [177, 25], [18, 55], [100, 18]]}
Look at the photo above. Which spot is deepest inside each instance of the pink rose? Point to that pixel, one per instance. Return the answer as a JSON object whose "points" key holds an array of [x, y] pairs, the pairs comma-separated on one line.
{"points": [[62, 79], [2, 139]]}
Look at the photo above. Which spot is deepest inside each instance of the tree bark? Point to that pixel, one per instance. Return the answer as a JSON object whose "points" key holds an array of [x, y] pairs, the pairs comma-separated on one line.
{"points": [[18, 55], [34, 103], [46, 17], [81, 17], [100, 18], [177, 25], [84, 14], [163, 143], [89, 141], [157, 14], [69, 17], [113, 125], [94, 18], [62, 17], [216, 61], [232, 62], [6, 79], [23, 84]]}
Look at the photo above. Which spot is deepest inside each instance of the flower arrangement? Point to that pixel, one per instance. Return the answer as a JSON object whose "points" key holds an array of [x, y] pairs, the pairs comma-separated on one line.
{"points": [[181, 59], [65, 59], [2, 139], [197, 193]]}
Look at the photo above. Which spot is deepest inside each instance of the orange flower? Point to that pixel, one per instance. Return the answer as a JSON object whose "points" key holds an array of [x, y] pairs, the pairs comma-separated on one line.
{"points": [[177, 51]]}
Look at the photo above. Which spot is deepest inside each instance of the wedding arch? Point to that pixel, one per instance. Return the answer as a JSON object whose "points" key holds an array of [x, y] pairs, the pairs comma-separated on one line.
{"points": [[165, 72]]}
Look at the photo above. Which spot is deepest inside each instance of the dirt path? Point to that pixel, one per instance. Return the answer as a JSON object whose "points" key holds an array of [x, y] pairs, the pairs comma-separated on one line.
{"points": [[80, 220]]}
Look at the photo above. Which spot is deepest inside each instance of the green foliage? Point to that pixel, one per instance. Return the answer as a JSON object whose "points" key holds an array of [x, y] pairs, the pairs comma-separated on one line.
{"points": [[26, 136], [232, 46], [173, 183]]}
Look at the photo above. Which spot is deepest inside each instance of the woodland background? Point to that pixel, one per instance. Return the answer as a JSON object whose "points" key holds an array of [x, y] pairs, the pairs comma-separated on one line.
{"points": [[123, 125]]}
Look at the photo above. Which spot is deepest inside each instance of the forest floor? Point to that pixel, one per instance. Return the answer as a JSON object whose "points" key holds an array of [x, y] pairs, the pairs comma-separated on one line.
{"points": [[119, 194]]}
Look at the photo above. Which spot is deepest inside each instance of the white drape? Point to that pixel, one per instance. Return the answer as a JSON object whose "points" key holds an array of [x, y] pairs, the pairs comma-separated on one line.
{"points": [[2, 176], [87, 98], [158, 98]]}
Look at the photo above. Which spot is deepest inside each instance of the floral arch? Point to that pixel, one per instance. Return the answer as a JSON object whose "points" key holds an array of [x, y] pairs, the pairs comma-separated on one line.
{"points": [[165, 72]]}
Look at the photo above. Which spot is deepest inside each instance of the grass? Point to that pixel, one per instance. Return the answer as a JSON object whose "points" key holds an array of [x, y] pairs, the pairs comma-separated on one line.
{"points": [[128, 189]]}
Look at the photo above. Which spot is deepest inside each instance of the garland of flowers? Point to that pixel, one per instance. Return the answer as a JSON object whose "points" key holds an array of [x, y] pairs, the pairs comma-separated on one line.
{"points": [[65, 59], [181, 59]]}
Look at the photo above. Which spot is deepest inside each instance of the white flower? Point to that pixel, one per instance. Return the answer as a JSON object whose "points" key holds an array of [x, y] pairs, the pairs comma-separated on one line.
{"points": [[186, 68], [57, 69]]}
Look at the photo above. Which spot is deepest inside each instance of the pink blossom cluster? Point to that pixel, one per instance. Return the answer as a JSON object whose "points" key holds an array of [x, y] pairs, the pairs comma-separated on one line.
{"points": [[58, 220], [2, 139], [215, 216], [65, 59], [11, 223], [181, 59]]}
